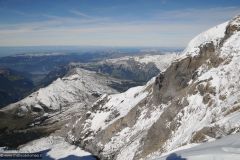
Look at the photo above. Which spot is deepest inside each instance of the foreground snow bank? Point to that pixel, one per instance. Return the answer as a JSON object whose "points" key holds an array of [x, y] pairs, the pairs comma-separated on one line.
{"points": [[53, 147], [223, 149]]}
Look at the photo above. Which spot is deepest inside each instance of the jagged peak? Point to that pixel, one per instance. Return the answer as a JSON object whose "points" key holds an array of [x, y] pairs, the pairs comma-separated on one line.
{"points": [[233, 26], [216, 35], [212, 35]]}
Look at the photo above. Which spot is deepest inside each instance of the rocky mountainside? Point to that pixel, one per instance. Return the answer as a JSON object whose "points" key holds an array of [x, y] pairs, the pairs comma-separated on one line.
{"points": [[161, 61], [139, 69], [47, 109], [16, 85], [195, 100]]}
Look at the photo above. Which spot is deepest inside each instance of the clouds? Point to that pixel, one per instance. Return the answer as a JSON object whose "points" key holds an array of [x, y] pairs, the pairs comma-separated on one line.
{"points": [[199, 15], [169, 28], [81, 14]]}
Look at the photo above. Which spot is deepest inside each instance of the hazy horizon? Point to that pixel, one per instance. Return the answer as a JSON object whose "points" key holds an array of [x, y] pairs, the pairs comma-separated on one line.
{"points": [[15, 50]]}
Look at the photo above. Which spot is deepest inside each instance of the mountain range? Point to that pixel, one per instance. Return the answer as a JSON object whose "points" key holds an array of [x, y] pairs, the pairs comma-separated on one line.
{"points": [[194, 101]]}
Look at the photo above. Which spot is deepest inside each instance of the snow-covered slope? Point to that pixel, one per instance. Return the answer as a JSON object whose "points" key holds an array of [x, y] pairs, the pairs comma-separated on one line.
{"points": [[227, 148], [195, 100], [53, 147], [111, 112], [162, 61], [73, 88], [51, 107], [138, 69], [214, 35]]}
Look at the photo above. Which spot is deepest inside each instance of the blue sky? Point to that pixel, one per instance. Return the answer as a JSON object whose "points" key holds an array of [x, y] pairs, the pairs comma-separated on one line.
{"points": [[158, 23]]}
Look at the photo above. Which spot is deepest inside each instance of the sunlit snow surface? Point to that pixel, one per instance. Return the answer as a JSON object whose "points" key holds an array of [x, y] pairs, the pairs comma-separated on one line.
{"points": [[53, 147], [227, 148], [162, 61], [212, 35]]}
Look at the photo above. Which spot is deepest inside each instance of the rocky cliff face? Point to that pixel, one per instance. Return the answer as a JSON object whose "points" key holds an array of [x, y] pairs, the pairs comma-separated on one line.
{"points": [[195, 100]]}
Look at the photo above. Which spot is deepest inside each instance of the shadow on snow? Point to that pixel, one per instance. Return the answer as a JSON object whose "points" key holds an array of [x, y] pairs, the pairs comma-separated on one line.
{"points": [[174, 156]]}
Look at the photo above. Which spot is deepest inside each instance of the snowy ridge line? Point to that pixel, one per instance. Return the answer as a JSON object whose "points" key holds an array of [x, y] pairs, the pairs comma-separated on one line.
{"points": [[162, 61]]}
